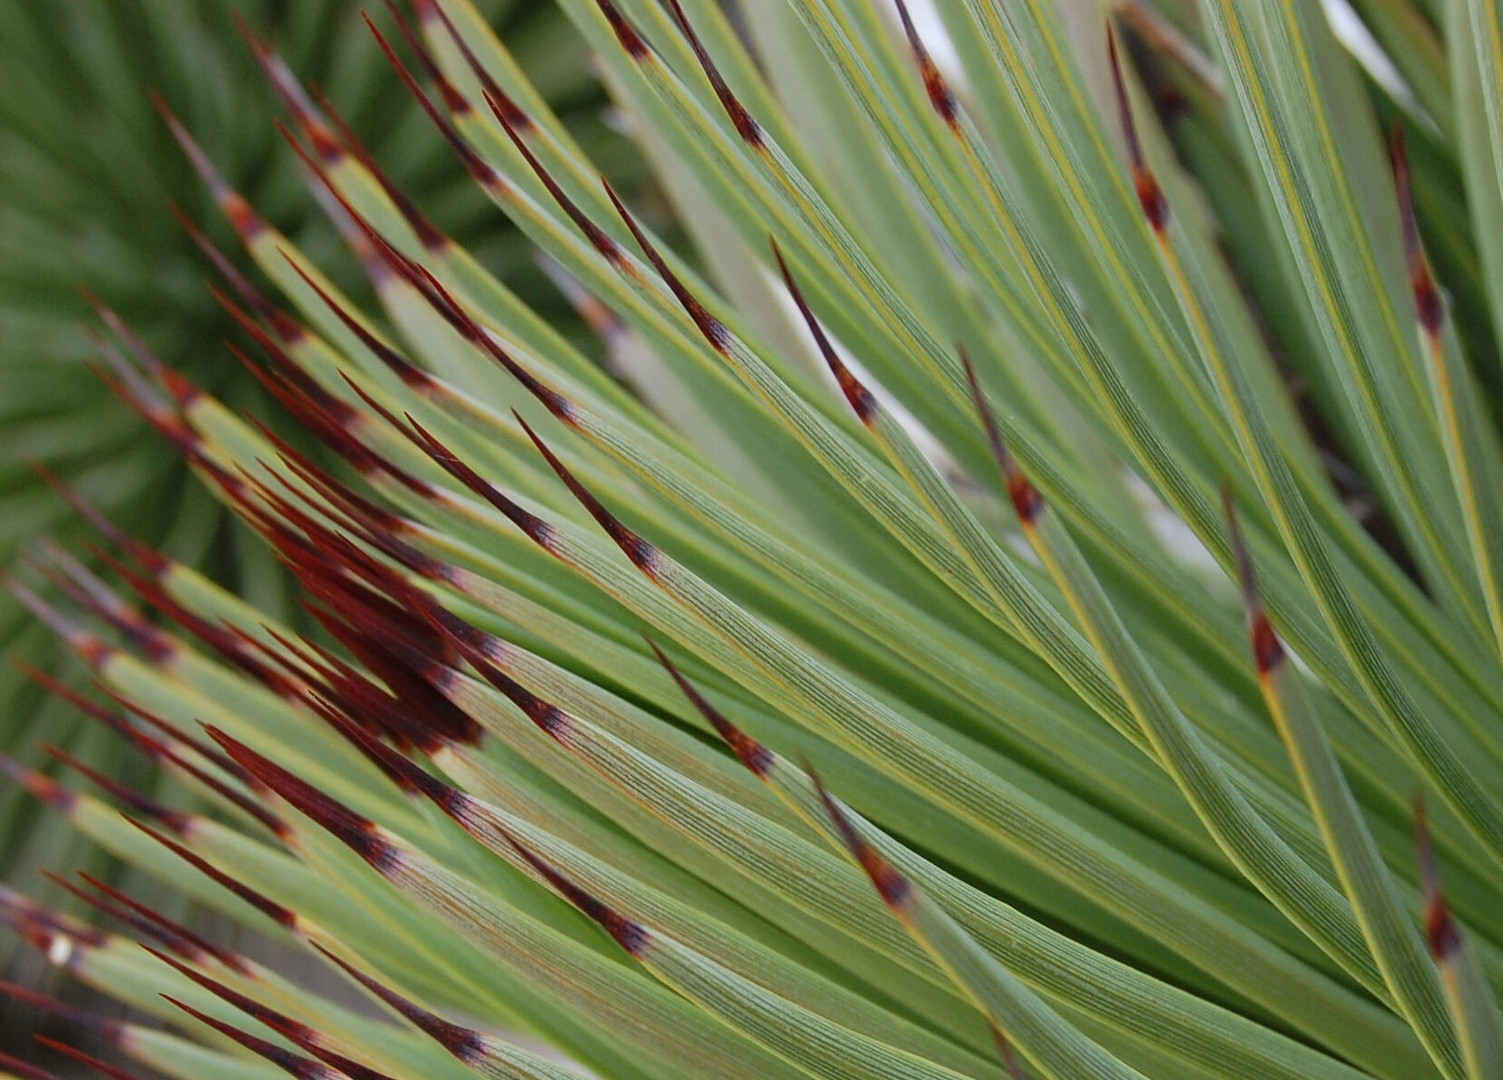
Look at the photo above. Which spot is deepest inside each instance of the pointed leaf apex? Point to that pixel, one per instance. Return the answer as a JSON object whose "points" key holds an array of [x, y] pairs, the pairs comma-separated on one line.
{"points": [[625, 33], [283, 916], [1027, 501], [745, 124], [713, 330], [643, 555], [756, 757], [1150, 195], [890, 883], [464, 1043], [361, 834], [1268, 650], [1441, 931], [104, 1068], [628, 933], [862, 403], [1429, 306], [935, 84]]}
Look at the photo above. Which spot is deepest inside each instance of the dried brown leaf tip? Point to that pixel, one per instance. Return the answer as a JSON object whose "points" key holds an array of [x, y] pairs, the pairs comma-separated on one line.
{"points": [[291, 332], [598, 238], [304, 1068], [184, 941], [41, 787], [935, 84], [713, 329], [642, 553], [175, 820], [245, 221], [745, 124], [150, 560], [360, 834], [464, 1043], [628, 933], [23, 1069], [625, 33], [1150, 195], [454, 101], [56, 936], [428, 11], [89, 648], [294, 98], [300, 1034], [1005, 1051], [104, 1068], [1429, 308], [429, 235], [85, 588], [1441, 931], [1026, 499], [478, 648], [862, 403], [1267, 649], [890, 883], [473, 163], [538, 530], [279, 914], [756, 757], [104, 1028]]}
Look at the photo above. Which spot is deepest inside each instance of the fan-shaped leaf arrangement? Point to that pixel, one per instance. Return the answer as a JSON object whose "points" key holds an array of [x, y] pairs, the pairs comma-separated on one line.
{"points": [[990, 614]]}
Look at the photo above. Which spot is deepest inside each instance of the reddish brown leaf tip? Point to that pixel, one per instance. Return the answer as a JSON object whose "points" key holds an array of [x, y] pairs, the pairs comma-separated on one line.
{"points": [[175, 934], [92, 651], [109, 1030], [751, 753], [516, 116], [713, 329], [245, 221], [1429, 308], [538, 530], [890, 883], [1027, 501], [935, 84], [745, 124], [283, 916], [1150, 195], [1441, 931], [42, 787], [474, 164], [1010, 1060], [297, 1032], [294, 1029], [359, 833], [862, 403], [1268, 650], [102, 1067], [628, 933], [175, 820], [297, 1065], [464, 1043], [149, 559], [25, 1070], [643, 555], [630, 40], [293, 97], [598, 238], [405, 772]]}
